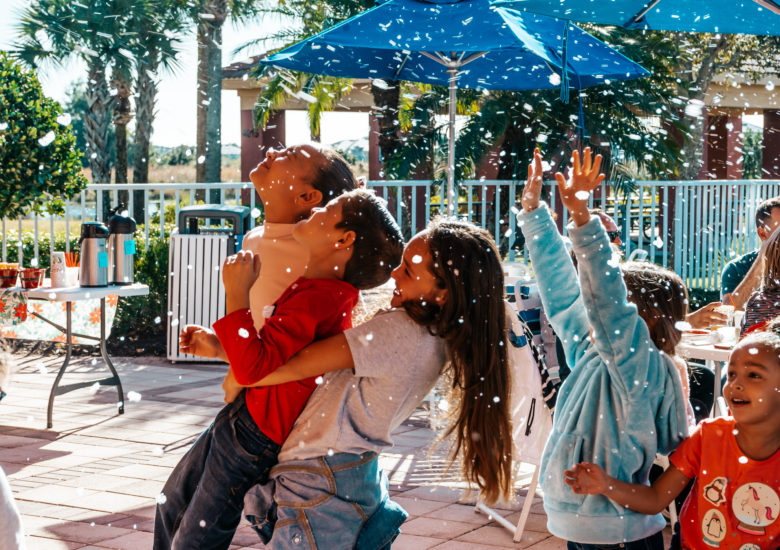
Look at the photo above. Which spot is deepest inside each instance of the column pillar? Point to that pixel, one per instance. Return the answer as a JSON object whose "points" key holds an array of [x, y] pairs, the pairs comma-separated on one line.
{"points": [[770, 159]]}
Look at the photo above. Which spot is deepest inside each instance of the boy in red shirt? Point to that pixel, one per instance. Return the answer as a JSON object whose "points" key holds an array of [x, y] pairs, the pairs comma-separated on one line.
{"points": [[735, 500], [353, 243]]}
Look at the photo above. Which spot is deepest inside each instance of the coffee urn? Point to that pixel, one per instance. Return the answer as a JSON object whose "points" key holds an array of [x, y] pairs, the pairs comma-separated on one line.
{"points": [[93, 266], [121, 250]]}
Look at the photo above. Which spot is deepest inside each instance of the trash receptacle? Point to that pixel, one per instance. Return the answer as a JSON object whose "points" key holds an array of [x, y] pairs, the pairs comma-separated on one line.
{"points": [[197, 251]]}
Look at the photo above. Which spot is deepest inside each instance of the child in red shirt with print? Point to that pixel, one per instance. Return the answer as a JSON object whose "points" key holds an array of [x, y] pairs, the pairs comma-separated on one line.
{"points": [[735, 500], [353, 243]]}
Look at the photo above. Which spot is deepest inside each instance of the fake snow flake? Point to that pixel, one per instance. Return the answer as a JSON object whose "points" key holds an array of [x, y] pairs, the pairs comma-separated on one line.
{"points": [[201, 159], [46, 140], [174, 322], [555, 79], [770, 85], [3, 126], [243, 333], [319, 380], [93, 389], [417, 259], [157, 320], [161, 498], [614, 261], [682, 325], [43, 370], [255, 212], [658, 242], [202, 523], [330, 452], [753, 351], [268, 311], [742, 460], [64, 119], [496, 399], [133, 396], [582, 195]]}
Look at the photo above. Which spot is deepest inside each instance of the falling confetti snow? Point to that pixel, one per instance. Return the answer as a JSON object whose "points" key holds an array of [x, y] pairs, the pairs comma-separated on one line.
{"points": [[582, 195], [417, 259], [243, 333], [64, 119], [46, 140], [133, 396]]}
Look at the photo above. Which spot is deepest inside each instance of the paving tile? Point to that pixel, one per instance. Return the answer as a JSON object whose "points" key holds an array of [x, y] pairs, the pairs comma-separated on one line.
{"points": [[460, 512], [418, 506], [137, 540], [40, 543], [499, 536], [414, 542], [429, 527]]}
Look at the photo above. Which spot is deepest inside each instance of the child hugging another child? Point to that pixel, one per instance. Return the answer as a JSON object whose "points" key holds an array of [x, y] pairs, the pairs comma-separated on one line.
{"points": [[448, 317], [735, 461], [353, 243], [624, 400]]}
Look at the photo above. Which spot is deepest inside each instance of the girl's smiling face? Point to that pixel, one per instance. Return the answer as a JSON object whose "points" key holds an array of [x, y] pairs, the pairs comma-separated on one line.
{"points": [[753, 387], [414, 278]]}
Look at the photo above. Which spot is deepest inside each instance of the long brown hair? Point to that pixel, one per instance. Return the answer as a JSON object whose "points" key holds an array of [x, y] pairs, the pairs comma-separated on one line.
{"points": [[472, 321], [771, 274]]}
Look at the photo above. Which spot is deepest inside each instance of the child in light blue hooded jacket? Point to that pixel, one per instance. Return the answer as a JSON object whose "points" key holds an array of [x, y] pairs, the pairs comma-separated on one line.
{"points": [[624, 400]]}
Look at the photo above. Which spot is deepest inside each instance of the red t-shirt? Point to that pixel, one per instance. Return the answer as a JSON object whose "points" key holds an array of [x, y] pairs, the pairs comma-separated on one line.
{"points": [[734, 503], [309, 310]]}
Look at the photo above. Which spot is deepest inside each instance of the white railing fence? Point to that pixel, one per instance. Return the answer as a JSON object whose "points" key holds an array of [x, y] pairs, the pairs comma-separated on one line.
{"points": [[693, 227]]}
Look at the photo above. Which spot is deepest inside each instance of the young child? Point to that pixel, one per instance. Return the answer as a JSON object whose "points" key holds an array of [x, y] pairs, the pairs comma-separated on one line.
{"points": [[624, 400], [764, 304], [449, 317], [735, 500], [353, 243], [290, 183]]}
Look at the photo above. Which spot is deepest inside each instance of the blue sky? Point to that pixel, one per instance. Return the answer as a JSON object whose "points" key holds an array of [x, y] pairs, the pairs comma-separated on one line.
{"points": [[175, 123]]}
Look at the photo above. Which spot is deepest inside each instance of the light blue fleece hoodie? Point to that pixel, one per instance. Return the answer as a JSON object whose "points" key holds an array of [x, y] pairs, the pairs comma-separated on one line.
{"points": [[623, 401]]}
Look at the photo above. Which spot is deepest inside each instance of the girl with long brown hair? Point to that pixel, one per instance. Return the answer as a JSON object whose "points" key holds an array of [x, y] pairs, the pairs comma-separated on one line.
{"points": [[448, 318]]}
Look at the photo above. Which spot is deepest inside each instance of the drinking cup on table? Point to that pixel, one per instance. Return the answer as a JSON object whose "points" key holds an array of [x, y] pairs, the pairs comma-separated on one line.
{"points": [[32, 277], [728, 312]]}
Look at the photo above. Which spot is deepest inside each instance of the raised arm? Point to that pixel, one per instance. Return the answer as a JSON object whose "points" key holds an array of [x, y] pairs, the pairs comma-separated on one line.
{"points": [[557, 279], [619, 334]]}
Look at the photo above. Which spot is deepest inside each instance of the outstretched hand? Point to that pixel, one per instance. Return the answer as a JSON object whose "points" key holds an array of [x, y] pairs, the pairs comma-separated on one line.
{"points": [[584, 177], [200, 341], [533, 185], [587, 478]]}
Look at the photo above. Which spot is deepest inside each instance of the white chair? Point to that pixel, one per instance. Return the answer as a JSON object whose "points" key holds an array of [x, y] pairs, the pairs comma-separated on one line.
{"points": [[531, 421]]}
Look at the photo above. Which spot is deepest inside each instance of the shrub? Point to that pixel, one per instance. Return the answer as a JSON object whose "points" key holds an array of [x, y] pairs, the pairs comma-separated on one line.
{"points": [[39, 163]]}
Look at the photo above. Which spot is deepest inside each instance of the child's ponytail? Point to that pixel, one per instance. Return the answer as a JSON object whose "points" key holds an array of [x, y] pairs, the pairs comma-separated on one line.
{"points": [[473, 322]]}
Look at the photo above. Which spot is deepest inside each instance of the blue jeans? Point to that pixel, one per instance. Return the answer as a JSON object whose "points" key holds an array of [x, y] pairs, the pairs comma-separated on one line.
{"points": [[204, 495], [653, 542]]}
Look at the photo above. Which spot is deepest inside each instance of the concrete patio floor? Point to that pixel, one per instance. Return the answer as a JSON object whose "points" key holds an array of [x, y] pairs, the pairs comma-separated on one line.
{"points": [[92, 480]]}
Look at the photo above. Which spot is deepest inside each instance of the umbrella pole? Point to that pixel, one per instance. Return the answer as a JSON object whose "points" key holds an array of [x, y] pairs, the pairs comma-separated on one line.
{"points": [[452, 202]]}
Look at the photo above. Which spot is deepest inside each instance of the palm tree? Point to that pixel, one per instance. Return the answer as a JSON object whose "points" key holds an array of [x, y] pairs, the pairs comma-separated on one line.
{"points": [[209, 16], [157, 25], [94, 31]]}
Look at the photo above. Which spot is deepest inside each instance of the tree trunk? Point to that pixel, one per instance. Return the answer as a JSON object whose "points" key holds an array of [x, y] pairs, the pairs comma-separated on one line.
{"points": [[144, 119], [386, 102], [214, 113], [123, 114], [96, 123], [202, 103]]}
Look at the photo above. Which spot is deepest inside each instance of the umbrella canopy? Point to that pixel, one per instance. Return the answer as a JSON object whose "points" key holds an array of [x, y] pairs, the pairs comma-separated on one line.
{"points": [[761, 17], [467, 44]]}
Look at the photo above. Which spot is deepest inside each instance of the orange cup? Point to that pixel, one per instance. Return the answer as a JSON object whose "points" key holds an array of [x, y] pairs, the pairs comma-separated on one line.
{"points": [[32, 277]]}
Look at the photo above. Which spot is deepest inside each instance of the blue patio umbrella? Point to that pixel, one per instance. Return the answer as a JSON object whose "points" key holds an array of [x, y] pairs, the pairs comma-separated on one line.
{"points": [[466, 43], [760, 17]]}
